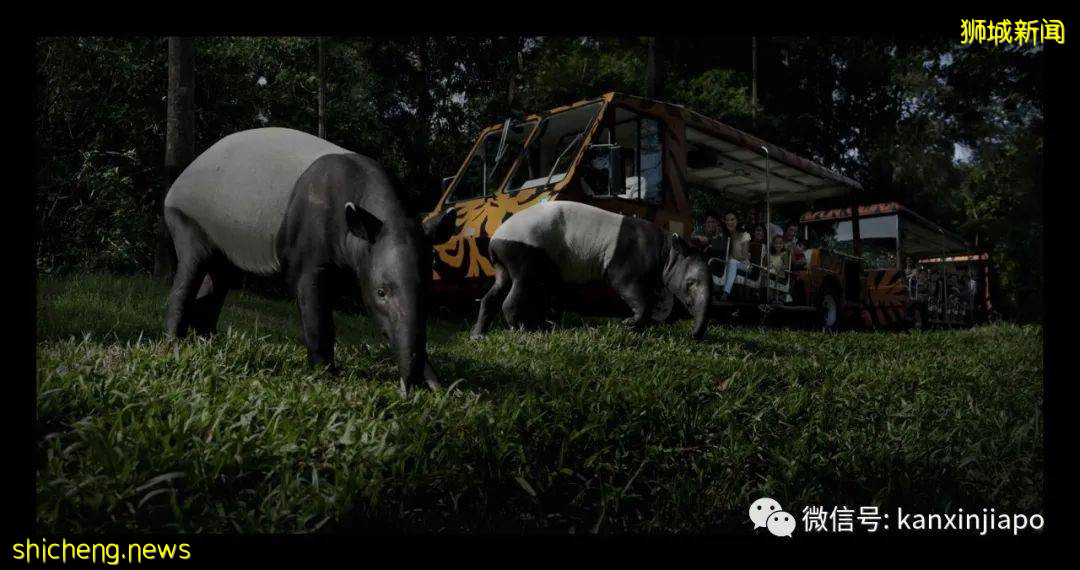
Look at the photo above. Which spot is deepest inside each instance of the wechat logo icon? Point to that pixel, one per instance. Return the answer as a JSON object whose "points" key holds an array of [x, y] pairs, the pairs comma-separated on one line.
{"points": [[768, 513]]}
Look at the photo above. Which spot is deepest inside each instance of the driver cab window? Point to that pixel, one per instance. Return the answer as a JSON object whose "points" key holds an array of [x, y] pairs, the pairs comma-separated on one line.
{"points": [[638, 139], [486, 168], [470, 183], [554, 148]]}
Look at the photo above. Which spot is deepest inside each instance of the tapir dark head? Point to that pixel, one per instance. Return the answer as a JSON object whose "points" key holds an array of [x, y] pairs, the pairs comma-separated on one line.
{"points": [[687, 276], [391, 259]]}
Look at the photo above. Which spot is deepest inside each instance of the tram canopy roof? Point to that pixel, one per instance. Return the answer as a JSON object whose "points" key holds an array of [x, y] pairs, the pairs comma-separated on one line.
{"points": [[734, 163], [919, 236]]}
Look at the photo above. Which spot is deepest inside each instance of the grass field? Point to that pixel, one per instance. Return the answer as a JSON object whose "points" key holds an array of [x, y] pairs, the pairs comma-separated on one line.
{"points": [[591, 428]]}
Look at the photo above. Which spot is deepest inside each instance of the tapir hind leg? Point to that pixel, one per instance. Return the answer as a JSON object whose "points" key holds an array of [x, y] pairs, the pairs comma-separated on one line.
{"points": [[491, 300], [511, 306], [182, 299], [531, 271], [521, 308], [192, 254], [211, 297]]}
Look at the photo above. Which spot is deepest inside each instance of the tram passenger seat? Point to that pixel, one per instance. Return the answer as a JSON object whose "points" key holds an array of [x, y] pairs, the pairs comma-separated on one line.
{"points": [[636, 188]]}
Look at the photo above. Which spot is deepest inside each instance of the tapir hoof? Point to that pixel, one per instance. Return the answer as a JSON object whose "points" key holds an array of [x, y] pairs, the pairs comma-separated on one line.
{"points": [[205, 332], [404, 386], [324, 366], [634, 324]]}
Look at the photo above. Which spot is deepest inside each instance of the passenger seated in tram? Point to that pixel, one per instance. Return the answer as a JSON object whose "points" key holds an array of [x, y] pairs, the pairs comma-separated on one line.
{"points": [[757, 243], [794, 248], [757, 251], [739, 253], [922, 282], [756, 217], [712, 239], [957, 294], [934, 292], [779, 276], [778, 257]]}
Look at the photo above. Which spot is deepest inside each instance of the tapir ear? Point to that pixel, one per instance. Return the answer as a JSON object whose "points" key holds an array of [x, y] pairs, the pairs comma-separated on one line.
{"points": [[441, 228], [362, 223], [679, 246]]}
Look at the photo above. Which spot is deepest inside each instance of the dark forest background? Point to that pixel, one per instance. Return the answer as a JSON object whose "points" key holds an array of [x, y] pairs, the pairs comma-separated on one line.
{"points": [[953, 131]]}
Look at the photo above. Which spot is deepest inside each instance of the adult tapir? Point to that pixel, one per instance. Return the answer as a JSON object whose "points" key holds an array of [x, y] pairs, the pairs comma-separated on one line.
{"points": [[280, 201], [578, 243]]}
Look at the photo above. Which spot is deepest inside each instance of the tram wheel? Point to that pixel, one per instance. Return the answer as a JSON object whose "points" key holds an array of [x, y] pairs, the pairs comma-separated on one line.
{"points": [[829, 311]]}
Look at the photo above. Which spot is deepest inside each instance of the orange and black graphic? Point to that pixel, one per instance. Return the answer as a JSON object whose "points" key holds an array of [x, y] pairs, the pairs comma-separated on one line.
{"points": [[843, 213], [465, 256], [885, 298]]}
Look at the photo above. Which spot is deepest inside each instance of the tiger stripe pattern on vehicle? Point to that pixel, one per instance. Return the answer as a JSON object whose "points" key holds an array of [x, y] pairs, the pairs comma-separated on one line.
{"points": [[885, 297], [465, 256]]}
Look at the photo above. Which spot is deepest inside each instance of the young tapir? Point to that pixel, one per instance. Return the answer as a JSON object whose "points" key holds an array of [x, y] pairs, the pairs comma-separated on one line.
{"points": [[279, 201], [578, 243]]}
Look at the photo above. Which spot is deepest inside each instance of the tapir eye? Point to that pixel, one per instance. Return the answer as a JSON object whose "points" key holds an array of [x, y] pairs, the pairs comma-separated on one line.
{"points": [[381, 293]]}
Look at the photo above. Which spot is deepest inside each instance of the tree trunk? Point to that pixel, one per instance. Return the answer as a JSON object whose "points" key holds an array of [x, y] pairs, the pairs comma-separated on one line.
{"points": [[425, 179], [179, 137], [753, 81], [322, 89], [654, 73], [515, 70]]}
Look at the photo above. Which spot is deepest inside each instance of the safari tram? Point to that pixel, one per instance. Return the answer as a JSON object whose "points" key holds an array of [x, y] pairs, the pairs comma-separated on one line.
{"points": [[670, 165], [916, 273]]}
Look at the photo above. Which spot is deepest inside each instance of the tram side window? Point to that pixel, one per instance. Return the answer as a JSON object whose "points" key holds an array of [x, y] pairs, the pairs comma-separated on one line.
{"points": [[820, 235], [650, 161], [878, 236], [642, 158]]}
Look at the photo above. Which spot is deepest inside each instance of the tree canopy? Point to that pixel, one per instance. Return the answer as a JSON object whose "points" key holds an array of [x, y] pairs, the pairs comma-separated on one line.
{"points": [[953, 131]]}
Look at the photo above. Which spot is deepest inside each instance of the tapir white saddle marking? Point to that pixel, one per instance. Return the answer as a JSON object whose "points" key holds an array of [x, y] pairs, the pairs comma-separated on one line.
{"points": [[579, 238], [238, 191]]}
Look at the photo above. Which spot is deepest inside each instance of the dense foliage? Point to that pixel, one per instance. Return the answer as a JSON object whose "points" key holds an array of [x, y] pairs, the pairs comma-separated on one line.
{"points": [[954, 131]]}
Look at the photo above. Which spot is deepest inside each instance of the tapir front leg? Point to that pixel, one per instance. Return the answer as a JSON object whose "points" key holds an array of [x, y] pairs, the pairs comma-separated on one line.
{"points": [[639, 298], [430, 377], [316, 314]]}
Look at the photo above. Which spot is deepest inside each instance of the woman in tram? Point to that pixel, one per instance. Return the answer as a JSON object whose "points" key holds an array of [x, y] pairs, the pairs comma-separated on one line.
{"points": [[740, 253]]}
